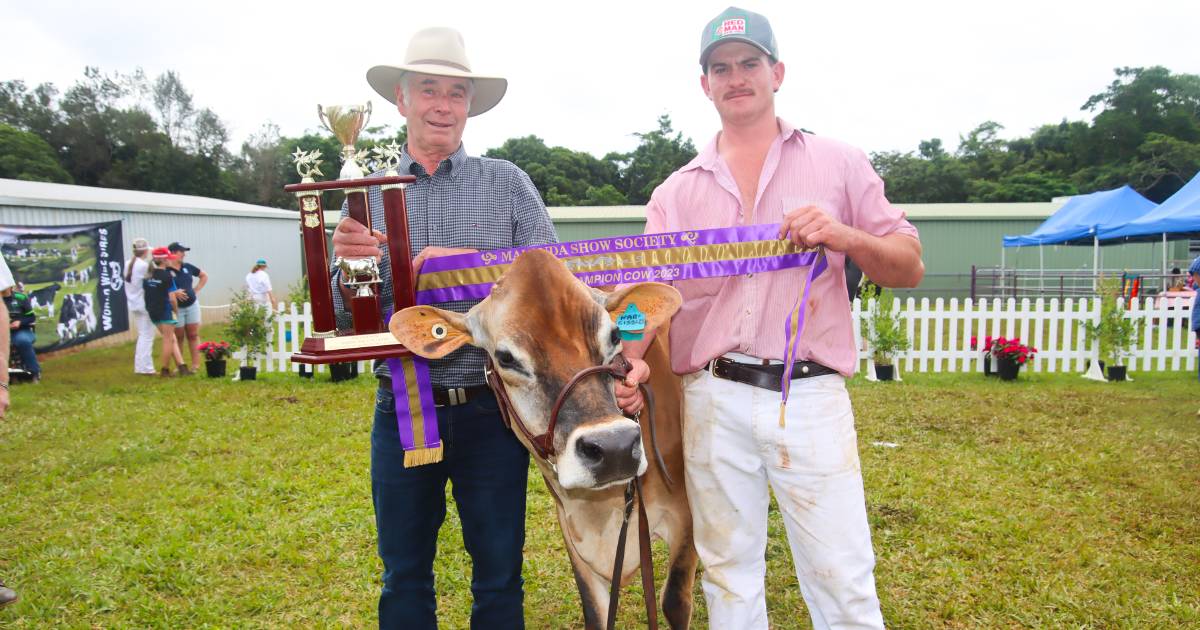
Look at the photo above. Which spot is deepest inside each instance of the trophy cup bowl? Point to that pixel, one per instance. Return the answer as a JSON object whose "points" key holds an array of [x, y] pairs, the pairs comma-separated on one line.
{"points": [[346, 122]]}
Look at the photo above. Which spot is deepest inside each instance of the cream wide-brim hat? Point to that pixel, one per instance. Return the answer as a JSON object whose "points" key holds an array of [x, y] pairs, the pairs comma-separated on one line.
{"points": [[440, 52]]}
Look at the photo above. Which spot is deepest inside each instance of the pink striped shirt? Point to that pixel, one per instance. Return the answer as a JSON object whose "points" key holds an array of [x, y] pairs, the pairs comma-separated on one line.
{"points": [[746, 314]]}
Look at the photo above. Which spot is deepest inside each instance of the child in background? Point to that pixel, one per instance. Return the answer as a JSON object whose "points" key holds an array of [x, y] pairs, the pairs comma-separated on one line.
{"points": [[160, 291]]}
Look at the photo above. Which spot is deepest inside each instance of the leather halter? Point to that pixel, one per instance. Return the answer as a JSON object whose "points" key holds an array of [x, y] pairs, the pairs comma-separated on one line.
{"points": [[543, 444]]}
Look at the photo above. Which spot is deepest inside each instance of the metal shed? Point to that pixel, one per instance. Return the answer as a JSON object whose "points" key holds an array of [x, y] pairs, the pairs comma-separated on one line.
{"points": [[225, 237]]}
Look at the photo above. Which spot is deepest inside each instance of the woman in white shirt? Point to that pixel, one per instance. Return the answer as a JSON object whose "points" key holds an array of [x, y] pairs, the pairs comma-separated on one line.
{"points": [[135, 273], [259, 284]]}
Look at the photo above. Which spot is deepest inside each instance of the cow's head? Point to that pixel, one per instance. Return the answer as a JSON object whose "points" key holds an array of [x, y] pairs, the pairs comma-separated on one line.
{"points": [[541, 326]]}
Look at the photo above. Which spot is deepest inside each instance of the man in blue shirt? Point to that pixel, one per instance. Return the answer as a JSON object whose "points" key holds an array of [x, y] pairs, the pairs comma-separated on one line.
{"points": [[459, 203]]}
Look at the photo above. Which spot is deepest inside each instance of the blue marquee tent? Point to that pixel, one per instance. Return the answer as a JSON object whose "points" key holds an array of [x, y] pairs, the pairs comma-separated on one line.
{"points": [[1177, 217], [1082, 218]]}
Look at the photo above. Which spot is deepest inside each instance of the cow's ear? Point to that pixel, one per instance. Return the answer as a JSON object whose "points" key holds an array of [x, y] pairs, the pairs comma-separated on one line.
{"points": [[430, 332], [657, 301]]}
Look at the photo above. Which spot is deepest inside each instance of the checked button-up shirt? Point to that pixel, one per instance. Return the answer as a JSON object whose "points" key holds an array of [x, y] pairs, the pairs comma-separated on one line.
{"points": [[469, 202]]}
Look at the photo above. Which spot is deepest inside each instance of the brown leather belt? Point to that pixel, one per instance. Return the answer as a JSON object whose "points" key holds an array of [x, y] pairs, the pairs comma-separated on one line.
{"points": [[448, 397], [764, 376]]}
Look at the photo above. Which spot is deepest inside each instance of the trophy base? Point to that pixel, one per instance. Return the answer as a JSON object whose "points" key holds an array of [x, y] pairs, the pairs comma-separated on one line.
{"points": [[349, 348]]}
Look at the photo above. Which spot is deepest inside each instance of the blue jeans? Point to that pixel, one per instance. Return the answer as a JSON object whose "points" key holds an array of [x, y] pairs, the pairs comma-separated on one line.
{"points": [[22, 341], [488, 469]]}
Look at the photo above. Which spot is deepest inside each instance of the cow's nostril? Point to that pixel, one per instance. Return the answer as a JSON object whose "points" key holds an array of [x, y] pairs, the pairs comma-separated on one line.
{"points": [[589, 450]]}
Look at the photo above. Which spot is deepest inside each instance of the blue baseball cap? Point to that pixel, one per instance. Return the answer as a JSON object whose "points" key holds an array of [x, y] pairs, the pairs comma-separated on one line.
{"points": [[737, 25], [261, 261]]}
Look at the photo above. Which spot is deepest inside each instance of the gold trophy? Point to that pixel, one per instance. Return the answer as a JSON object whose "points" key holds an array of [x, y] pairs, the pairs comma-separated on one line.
{"points": [[368, 338]]}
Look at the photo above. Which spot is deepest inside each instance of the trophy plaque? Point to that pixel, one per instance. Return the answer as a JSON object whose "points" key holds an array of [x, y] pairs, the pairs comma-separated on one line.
{"points": [[368, 337]]}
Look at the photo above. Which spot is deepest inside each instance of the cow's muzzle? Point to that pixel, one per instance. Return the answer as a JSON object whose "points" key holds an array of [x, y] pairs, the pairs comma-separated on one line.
{"points": [[602, 455]]}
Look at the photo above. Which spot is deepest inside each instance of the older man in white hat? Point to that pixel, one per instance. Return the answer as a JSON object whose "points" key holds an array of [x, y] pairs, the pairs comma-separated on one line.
{"points": [[459, 203]]}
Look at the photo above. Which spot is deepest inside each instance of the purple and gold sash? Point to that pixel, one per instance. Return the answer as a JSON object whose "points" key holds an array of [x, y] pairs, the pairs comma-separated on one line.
{"points": [[664, 257]]}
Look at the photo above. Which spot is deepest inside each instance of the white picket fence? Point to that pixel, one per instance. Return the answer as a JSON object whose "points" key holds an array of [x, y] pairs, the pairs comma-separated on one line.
{"points": [[940, 334], [293, 322]]}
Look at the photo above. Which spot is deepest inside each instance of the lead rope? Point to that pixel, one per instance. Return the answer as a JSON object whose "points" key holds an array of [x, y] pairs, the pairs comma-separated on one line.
{"points": [[614, 589]]}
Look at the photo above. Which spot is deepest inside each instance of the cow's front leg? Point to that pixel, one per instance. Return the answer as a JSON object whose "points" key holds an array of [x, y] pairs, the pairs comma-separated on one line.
{"points": [[593, 591]]}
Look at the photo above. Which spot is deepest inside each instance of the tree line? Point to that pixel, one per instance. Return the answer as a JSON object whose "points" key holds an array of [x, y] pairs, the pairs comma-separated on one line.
{"points": [[133, 132]]}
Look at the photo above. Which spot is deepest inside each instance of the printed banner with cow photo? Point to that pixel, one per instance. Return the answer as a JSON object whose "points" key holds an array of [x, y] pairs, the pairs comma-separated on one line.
{"points": [[73, 277]]}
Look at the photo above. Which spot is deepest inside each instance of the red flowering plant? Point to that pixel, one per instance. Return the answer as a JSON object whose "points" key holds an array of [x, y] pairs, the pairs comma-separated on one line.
{"points": [[216, 350], [1002, 348], [987, 344]]}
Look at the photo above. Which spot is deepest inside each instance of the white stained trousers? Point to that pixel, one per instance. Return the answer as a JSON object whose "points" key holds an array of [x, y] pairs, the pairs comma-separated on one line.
{"points": [[734, 447], [143, 353]]}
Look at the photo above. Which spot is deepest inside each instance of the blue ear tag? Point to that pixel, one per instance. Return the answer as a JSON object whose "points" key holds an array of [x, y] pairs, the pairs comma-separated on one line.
{"points": [[631, 323]]}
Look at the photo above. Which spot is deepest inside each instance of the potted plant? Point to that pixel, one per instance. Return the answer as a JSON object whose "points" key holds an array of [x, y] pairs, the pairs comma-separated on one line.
{"points": [[1115, 332], [249, 329], [882, 327], [215, 353], [987, 354], [1010, 355]]}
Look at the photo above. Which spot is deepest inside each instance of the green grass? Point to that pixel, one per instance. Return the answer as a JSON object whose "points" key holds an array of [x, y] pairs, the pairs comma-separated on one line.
{"points": [[137, 502]]}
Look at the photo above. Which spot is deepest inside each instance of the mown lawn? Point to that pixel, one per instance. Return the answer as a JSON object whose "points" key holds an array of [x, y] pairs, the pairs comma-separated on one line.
{"points": [[133, 502]]}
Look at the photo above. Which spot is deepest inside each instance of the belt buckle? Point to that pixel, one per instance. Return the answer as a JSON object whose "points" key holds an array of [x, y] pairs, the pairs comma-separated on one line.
{"points": [[713, 365], [457, 396]]}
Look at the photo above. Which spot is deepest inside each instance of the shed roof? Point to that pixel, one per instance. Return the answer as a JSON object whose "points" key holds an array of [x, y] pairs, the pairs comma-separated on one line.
{"points": [[15, 192]]}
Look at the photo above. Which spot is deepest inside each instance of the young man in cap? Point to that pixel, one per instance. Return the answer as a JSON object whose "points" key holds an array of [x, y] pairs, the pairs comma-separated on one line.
{"points": [[459, 203], [189, 279], [760, 169]]}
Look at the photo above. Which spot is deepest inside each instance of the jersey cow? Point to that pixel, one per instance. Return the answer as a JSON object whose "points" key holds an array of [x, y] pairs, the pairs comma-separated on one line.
{"points": [[541, 327]]}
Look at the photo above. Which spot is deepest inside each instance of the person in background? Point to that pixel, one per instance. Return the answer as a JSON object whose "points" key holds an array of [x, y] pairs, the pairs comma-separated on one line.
{"points": [[160, 293], [135, 297], [7, 595], [21, 329], [1177, 281], [259, 285], [189, 279], [1194, 275]]}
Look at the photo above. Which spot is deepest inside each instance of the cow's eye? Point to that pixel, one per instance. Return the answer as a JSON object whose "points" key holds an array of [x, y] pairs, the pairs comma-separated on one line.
{"points": [[506, 359], [614, 337]]}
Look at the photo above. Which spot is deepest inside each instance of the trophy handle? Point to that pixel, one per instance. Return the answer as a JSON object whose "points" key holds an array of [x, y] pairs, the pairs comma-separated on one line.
{"points": [[366, 115], [323, 118]]}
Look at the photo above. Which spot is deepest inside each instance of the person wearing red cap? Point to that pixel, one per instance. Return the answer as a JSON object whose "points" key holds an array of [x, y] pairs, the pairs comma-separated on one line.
{"points": [[160, 295], [727, 339]]}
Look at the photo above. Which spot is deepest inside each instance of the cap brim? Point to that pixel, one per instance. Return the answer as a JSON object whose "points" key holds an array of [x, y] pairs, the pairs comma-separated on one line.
{"points": [[725, 40], [488, 90]]}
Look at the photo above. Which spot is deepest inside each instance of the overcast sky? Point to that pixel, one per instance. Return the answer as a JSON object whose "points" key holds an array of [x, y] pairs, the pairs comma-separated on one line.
{"points": [[880, 75]]}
